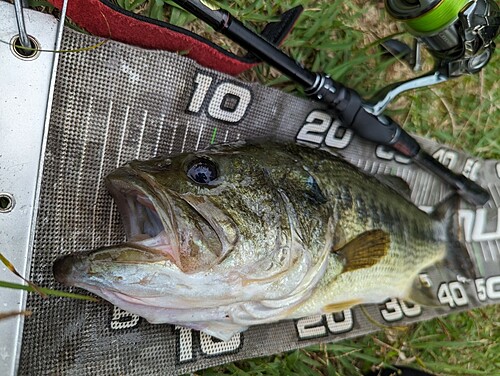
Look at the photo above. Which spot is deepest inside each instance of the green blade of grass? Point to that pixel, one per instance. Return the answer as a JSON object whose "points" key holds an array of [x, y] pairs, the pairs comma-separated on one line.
{"points": [[445, 344], [47, 291]]}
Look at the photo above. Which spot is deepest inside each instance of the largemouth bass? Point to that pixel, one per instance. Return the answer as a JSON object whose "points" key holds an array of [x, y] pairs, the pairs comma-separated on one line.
{"points": [[242, 235]]}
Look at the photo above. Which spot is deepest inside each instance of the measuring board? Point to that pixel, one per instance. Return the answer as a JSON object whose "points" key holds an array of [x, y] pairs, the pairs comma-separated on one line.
{"points": [[117, 103]]}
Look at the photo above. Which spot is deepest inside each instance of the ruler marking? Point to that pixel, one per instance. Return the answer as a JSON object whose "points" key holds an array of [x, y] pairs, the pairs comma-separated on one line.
{"points": [[82, 159], [99, 178], [199, 136], [122, 137], [158, 136], [214, 133], [185, 136], [173, 138], [483, 251], [496, 189], [141, 135], [492, 250]]}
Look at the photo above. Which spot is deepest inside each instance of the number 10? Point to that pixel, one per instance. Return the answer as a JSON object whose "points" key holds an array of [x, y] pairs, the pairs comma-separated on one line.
{"points": [[229, 101]]}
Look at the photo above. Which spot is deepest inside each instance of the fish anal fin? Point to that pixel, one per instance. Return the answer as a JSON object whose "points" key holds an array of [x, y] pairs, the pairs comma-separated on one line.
{"points": [[339, 307], [366, 250], [421, 294], [224, 333]]}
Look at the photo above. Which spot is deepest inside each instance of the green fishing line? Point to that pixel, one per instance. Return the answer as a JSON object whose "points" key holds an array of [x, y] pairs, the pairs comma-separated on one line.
{"points": [[444, 13]]}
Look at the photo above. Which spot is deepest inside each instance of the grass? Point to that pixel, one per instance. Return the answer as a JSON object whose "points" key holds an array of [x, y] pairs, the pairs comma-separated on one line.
{"points": [[459, 344], [340, 38]]}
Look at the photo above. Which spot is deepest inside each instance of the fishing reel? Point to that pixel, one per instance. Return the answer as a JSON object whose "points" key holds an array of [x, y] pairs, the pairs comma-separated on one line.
{"points": [[459, 34]]}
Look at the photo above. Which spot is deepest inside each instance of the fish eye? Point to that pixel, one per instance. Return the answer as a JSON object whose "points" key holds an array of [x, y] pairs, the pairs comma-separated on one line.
{"points": [[202, 171]]}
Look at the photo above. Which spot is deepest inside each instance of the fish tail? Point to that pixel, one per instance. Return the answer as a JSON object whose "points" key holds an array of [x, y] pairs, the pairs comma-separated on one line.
{"points": [[456, 263], [458, 260]]}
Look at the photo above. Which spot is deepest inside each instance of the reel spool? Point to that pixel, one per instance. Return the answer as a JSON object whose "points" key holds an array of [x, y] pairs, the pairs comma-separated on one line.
{"points": [[460, 32]]}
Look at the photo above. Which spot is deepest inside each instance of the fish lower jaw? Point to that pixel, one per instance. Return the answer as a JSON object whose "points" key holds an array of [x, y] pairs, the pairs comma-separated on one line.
{"points": [[213, 321], [158, 244]]}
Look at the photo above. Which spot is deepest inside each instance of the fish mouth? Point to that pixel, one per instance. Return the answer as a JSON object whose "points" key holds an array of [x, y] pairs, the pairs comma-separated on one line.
{"points": [[146, 227], [133, 198], [146, 213], [149, 213]]}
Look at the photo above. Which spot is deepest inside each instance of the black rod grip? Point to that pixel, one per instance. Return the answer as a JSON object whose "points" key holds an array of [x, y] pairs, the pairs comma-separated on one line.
{"points": [[254, 43], [466, 188], [266, 51]]}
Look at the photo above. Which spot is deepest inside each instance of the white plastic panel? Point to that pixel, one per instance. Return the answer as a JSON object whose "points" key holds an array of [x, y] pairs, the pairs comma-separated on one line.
{"points": [[24, 98]]}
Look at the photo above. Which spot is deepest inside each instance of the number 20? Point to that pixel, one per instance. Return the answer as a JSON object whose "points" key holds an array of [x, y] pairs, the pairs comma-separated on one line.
{"points": [[320, 127]]}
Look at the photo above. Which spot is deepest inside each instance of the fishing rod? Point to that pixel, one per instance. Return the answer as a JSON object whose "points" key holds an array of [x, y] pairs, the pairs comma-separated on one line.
{"points": [[346, 103]]}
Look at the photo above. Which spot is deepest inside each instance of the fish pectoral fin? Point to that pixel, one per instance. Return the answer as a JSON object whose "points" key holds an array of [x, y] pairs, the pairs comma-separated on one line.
{"points": [[365, 250], [420, 294], [339, 307]]}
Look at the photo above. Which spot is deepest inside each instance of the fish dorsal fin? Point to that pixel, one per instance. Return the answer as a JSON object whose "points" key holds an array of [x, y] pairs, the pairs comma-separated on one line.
{"points": [[365, 250], [396, 183]]}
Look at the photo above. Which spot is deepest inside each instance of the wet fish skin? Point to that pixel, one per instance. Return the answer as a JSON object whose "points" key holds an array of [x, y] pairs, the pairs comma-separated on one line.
{"points": [[281, 232]]}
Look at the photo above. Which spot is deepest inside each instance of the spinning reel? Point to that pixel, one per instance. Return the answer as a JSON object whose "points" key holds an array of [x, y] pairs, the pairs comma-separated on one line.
{"points": [[459, 34]]}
